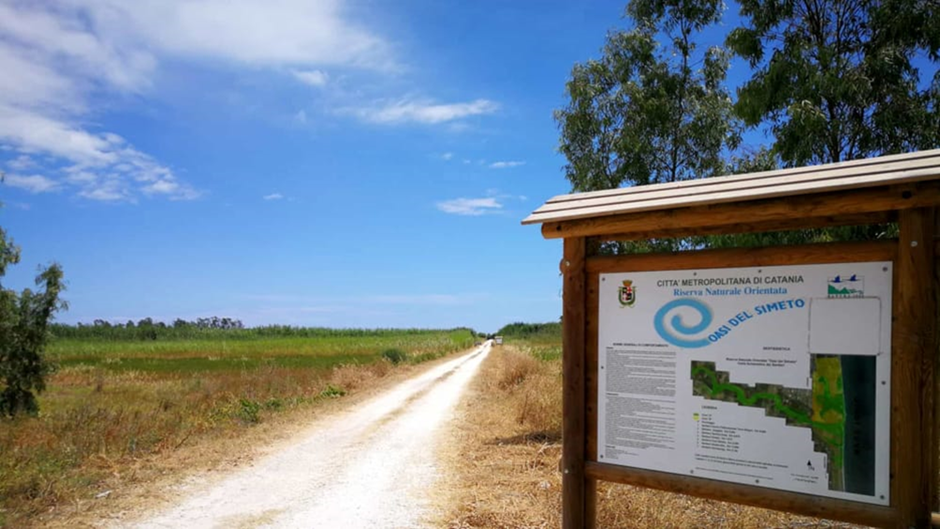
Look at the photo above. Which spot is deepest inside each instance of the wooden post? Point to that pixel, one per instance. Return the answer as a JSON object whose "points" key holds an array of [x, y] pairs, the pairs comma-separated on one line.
{"points": [[573, 404], [914, 365], [590, 503]]}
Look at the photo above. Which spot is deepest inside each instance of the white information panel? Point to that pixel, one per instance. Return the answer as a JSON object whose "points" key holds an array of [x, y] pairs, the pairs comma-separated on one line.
{"points": [[775, 376]]}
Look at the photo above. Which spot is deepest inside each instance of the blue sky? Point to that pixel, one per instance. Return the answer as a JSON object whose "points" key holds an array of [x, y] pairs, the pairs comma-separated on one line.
{"points": [[346, 164]]}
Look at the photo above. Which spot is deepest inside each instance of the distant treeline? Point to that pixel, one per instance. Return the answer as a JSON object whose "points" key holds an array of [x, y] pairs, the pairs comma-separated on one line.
{"points": [[530, 330], [215, 327]]}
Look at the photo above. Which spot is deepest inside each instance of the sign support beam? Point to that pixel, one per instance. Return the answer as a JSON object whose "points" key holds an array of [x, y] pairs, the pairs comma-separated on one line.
{"points": [[573, 401], [914, 441]]}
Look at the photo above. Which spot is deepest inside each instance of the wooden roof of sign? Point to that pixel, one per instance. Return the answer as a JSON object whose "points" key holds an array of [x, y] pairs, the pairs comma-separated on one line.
{"points": [[857, 192]]}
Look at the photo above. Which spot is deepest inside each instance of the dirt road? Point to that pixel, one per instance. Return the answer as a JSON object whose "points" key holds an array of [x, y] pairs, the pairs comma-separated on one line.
{"points": [[372, 466]]}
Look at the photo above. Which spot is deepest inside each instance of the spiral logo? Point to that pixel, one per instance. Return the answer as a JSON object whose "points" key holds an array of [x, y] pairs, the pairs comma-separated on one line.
{"points": [[677, 332]]}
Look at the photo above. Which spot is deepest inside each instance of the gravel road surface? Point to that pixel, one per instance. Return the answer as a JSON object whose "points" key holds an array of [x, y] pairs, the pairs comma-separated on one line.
{"points": [[373, 466]]}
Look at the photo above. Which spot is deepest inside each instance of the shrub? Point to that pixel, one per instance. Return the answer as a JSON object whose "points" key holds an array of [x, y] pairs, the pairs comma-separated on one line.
{"points": [[24, 322], [332, 392], [249, 411], [395, 356]]}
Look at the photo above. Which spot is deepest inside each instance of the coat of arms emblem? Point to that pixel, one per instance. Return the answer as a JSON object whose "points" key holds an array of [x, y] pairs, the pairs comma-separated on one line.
{"points": [[627, 294]]}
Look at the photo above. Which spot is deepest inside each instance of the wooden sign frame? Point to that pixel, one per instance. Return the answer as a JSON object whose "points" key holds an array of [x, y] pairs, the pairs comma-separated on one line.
{"points": [[747, 203]]}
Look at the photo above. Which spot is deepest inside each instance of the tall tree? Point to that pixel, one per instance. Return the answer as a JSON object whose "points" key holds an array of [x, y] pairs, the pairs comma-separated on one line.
{"points": [[837, 79], [647, 113], [24, 321]]}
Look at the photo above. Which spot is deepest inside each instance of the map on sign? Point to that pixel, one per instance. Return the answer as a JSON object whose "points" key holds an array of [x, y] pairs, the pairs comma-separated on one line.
{"points": [[773, 376]]}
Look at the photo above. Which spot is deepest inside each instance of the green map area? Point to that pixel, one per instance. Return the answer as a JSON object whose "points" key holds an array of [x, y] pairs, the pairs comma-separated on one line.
{"points": [[843, 292], [821, 409]]}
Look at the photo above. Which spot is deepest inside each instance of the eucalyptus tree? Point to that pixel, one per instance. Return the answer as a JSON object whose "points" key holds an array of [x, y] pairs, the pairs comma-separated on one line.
{"points": [[653, 108], [838, 80]]}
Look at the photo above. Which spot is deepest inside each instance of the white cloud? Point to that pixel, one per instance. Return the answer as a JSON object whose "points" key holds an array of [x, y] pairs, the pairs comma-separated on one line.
{"points": [[21, 163], [162, 186], [404, 111], [61, 38], [59, 58], [32, 183], [470, 206], [54, 64], [111, 191], [505, 165], [273, 196], [275, 32], [311, 77], [447, 156]]}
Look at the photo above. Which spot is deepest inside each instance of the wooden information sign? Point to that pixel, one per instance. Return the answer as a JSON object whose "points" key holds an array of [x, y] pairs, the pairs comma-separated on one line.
{"points": [[797, 378]]}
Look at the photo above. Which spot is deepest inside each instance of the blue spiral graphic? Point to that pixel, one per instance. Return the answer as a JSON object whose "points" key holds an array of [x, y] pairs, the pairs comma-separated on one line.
{"points": [[678, 327]]}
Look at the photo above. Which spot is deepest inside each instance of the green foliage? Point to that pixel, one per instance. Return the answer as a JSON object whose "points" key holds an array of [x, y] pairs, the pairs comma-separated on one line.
{"points": [[753, 161], [421, 358], [224, 329], [249, 411], [546, 352], [395, 356], [332, 392], [240, 350], [647, 113], [24, 322], [832, 80], [835, 78], [531, 330], [644, 113]]}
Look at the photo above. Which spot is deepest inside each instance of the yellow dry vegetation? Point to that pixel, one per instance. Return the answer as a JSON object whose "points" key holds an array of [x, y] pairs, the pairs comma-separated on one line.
{"points": [[505, 451], [108, 443]]}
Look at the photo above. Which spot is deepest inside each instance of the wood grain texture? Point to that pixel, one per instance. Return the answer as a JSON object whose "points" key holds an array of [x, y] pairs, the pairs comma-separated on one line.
{"points": [[881, 164], [591, 365], [847, 252], [850, 511], [770, 212], [860, 219], [573, 404], [913, 367], [739, 188], [590, 395]]}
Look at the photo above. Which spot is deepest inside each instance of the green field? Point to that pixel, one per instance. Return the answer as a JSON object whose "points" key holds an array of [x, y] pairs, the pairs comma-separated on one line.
{"points": [[119, 397], [215, 353]]}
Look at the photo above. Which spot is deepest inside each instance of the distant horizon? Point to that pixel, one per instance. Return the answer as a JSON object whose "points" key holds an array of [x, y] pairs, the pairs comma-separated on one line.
{"points": [[170, 324]]}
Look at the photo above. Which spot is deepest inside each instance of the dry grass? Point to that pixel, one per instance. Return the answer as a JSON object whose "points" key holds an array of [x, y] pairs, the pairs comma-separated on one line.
{"points": [[506, 449], [353, 377], [103, 431]]}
